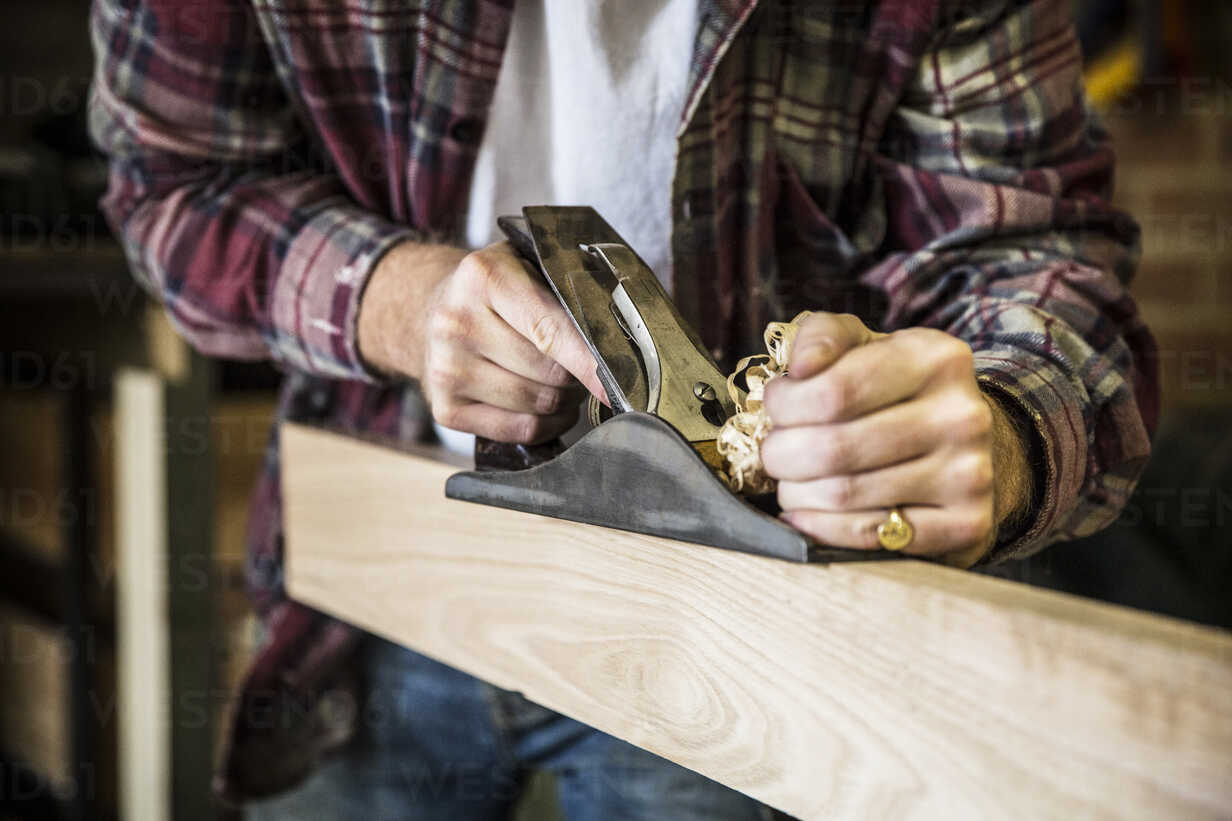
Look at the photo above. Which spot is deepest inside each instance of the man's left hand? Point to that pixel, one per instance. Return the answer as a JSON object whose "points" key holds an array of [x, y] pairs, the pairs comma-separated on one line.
{"points": [[865, 421]]}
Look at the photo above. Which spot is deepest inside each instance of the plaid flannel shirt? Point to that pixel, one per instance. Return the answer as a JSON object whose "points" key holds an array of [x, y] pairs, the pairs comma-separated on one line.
{"points": [[916, 162]]}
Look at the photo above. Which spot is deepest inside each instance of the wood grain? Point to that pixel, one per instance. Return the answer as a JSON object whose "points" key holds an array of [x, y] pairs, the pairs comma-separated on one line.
{"points": [[889, 690]]}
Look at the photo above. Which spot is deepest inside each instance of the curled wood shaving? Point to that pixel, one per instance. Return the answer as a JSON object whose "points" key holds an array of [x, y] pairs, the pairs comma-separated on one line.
{"points": [[740, 438]]}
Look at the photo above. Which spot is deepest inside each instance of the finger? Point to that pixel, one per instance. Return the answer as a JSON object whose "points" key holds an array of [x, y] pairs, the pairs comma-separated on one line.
{"points": [[822, 339], [534, 313], [886, 437], [912, 482], [865, 379], [505, 426], [937, 530], [499, 343], [491, 384]]}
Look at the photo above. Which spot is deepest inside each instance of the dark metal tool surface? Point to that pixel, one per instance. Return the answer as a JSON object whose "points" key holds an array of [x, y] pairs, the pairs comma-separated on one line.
{"points": [[646, 468], [635, 472]]}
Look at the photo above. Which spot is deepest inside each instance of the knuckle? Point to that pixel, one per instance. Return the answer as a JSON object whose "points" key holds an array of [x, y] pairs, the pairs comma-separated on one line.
{"points": [[814, 323], [864, 533], [558, 375], [923, 339], [975, 474], [840, 492], [956, 355], [452, 324], [972, 419], [836, 394], [833, 454], [548, 401], [931, 335], [544, 333], [814, 330], [470, 268], [478, 269], [854, 328], [441, 378]]}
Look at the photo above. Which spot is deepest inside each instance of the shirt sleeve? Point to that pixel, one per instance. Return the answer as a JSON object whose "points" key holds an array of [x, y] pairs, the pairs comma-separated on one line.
{"points": [[254, 251], [996, 177]]}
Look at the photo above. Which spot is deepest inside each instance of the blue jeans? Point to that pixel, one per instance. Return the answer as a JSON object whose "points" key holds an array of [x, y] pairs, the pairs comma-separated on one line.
{"points": [[436, 744]]}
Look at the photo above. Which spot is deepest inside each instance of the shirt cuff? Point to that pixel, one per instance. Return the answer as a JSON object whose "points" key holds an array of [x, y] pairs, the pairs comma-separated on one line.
{"points": [[1039, 395], [317, 293]]}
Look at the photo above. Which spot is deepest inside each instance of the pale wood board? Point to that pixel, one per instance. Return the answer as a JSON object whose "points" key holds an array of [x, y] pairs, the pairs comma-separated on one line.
{"points": [[884, 690], [142, 624]]}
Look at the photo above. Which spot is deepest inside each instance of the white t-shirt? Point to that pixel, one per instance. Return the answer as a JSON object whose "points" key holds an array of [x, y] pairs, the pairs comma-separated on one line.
{"points": [[585, 112], [586, 107]]}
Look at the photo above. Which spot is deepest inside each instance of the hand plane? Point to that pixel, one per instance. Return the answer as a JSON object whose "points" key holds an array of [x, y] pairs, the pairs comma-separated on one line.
{"points": [[646, 466]]}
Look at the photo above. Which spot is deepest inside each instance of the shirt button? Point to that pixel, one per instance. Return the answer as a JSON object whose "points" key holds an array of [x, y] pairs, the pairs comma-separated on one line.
{"points": [[466, 130]]}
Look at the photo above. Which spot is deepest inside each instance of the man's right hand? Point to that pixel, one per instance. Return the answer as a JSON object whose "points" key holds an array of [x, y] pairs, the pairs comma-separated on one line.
{"points": [[494, 351]]}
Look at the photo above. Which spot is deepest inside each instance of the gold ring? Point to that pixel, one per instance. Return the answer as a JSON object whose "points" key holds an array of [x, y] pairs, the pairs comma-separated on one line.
{"points": [[895, 532]]}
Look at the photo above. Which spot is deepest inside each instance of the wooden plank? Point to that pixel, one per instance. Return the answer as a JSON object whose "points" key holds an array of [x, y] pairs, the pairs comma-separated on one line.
{"points": [[34, 699], [845, 691], [142, 620], [165, 611], [169, 642]]}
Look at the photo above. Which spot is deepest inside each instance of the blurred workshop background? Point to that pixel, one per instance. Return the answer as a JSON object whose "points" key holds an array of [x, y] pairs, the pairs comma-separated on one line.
{"points": [[88, 369]]}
